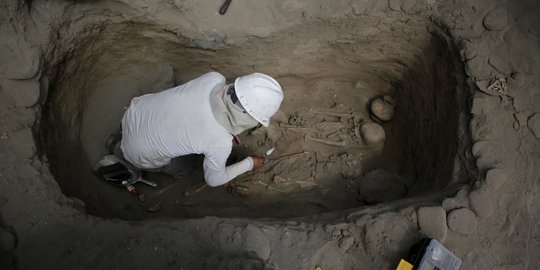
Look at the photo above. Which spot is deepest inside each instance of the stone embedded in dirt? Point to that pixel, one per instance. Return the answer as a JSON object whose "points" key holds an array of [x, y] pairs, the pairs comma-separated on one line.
{"points": [[346, 242], [387, 233], [495, 178], [449, 204], [256, 241], [381, 186], [482, 84], [432, 222], [394, 5], [210, 42], [485, 154], [242, 191], [462, 220], [534, 125], [362, 220], [480, 204], [410, 214], [24, 93], [409, 6], [483, 105], [496, 19], [77, 204], [475, 67], [461, 200], [154, 208], [499, 64], [24, 58]]}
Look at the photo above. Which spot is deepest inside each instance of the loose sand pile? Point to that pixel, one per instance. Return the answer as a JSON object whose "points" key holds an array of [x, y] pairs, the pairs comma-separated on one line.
{"points": [[458, 163]]}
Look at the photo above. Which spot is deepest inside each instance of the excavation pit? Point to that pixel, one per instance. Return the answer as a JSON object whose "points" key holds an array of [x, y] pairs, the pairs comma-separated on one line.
{"points": [[329, 71]]}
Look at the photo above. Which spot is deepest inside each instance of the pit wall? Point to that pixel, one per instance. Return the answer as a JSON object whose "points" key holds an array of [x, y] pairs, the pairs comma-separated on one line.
{"points": [[53, 231], [419, 65]]}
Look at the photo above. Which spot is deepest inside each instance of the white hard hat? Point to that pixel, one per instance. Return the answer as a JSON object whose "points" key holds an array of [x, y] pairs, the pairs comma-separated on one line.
{"points": [[260, 95]]}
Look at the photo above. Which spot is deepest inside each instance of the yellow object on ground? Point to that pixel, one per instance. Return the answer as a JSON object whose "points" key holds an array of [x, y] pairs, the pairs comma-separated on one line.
{"points": [[404, 265]]}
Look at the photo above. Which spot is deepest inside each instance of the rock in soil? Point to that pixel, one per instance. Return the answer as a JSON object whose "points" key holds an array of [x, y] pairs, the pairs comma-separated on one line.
{"points": [[496, 19], [459, 201], [462, 220], [432, 222], [242, 191], [346, 242], [495, 178], [480, 204], [154, 208]]}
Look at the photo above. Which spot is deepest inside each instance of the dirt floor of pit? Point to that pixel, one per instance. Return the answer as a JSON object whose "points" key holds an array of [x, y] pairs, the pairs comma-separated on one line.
{"points": [[321, 163], [301, 177]]}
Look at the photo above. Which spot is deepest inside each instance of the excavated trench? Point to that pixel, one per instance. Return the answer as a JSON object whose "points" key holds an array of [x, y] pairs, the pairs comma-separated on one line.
{"points": [[328, 70]]}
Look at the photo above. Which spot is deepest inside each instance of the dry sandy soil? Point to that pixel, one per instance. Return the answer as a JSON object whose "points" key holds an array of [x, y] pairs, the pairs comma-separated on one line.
{"points": [[460, 161]]}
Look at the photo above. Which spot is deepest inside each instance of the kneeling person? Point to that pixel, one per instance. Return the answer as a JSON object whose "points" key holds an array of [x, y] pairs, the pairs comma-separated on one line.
{"points": [[164, 131]]}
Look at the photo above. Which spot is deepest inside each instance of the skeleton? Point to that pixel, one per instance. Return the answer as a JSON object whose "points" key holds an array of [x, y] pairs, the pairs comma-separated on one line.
{"points": [[342, 133], [339, 129]]}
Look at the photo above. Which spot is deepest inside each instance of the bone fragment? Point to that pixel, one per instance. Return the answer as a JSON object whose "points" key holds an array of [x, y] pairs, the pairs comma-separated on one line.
{"points": [[291, 126], [357, 134], [500, 85], [328, 142], [274, 189], [306, 183], [335, 114], [290, 156]]}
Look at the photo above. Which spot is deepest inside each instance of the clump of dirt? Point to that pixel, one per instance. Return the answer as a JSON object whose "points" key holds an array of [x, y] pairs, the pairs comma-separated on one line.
{"points": [[330, 73]]}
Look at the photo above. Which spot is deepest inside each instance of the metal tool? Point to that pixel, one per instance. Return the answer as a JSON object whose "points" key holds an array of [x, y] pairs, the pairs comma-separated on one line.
{"points": [[269, 152], [119, 171], [190, 191], [290, 156], [224, 7]]}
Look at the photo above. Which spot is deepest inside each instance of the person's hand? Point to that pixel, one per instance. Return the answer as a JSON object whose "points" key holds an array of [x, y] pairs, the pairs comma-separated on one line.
{"points": [[257, 162]]}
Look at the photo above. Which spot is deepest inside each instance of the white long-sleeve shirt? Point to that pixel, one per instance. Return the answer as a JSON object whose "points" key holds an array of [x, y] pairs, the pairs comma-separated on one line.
{"points": [[176, 122]]}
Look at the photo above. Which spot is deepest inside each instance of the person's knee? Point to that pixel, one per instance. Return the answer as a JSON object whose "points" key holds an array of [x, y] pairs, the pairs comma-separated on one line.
{"points": [[180, 167]]}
